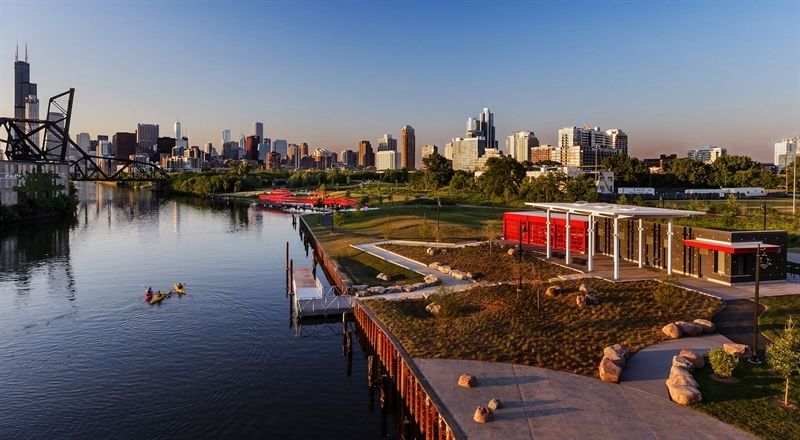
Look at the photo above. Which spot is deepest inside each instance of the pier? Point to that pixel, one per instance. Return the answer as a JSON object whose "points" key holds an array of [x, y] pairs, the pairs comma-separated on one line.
{"points": [[310, 298]]}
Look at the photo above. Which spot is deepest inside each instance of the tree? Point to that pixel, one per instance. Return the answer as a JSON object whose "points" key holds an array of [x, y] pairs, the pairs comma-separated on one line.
{"points": [[490, 233], [734, 171], [582, 187], [548, 187], [690, 173], [338, 219], [460, 180], [628, 171], [501, 174], [783, 355], [439, 169]]}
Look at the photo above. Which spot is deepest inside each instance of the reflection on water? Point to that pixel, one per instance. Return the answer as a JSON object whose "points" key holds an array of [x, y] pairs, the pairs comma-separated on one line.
{"points": [[82, 355]]}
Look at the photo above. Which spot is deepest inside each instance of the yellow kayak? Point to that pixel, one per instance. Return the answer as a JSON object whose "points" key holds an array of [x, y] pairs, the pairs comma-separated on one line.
{"points": [[180, 290], [157, 298]]}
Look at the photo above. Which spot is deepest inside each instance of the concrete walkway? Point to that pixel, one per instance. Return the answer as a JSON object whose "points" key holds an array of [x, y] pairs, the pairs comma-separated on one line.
{"points": [[414, 266], [648, 368], [546, 404]]}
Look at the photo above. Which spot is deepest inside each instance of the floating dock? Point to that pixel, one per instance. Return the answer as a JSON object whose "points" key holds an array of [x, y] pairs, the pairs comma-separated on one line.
{"points": [[310, 298]]}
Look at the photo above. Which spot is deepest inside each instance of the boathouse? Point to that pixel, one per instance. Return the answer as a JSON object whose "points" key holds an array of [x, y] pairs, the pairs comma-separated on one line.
{"points": [[648, 237]]}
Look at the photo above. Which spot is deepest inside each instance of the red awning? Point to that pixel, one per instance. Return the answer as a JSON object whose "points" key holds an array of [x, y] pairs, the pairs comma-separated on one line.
{"points": [[748, 247]]}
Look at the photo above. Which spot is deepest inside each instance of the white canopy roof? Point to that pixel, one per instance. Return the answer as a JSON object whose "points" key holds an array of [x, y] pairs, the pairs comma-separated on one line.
{"points": [[612, 210]]}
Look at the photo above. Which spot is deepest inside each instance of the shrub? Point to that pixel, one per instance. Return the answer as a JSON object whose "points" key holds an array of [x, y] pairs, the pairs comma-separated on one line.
{"points": [[721, 362], [668, 295], [448, 301]]}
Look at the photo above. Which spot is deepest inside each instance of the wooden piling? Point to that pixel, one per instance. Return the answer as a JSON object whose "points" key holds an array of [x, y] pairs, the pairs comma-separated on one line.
{"points": [[291, 275]]}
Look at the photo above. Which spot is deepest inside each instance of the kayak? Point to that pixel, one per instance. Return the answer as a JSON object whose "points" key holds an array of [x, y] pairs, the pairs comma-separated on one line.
{"points": [[179, 290], [157, 298]]}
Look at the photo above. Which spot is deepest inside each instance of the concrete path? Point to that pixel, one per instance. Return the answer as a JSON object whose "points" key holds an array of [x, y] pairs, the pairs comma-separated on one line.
{"points": [[414, 266], [547, 404], [648, 368]]}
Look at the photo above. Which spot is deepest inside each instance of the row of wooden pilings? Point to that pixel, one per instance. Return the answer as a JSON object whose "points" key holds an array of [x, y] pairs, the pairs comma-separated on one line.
{"points": [[400, 381]]}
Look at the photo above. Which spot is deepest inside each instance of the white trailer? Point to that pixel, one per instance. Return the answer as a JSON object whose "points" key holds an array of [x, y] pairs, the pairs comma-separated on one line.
{"points": [[642, 191]]}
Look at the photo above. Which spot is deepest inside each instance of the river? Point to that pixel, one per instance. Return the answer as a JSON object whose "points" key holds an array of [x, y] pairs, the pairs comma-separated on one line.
{"points": [[83, 356]]}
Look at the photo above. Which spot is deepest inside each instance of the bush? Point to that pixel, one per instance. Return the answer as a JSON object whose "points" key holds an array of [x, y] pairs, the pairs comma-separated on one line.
{"points": [[668, 295], [448, 301], [721, 362]]}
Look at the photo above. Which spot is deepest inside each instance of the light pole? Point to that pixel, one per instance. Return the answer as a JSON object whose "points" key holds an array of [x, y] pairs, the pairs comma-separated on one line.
{"points": [[794, 180], [759, 265], [522, 230]]}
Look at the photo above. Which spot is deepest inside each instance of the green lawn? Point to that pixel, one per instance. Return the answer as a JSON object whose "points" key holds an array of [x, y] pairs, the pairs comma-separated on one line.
{"points": [[399, 222], [779, 308], [750, 404]]}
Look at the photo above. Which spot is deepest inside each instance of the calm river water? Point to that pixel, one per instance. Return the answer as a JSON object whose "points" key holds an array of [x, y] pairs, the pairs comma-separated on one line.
{"points": [[83, 356]]}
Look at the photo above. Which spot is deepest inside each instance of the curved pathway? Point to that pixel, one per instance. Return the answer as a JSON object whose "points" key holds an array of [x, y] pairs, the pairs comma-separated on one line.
{"points": [[546, 404]]}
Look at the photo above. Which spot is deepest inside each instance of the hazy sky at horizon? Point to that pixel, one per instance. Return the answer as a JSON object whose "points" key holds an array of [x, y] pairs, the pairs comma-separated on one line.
{"points": [[673, 75]]}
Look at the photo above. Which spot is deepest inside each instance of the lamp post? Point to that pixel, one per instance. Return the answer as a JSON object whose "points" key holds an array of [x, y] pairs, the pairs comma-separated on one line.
{"points": [[438, 205], [764, 210], [522, 230], [759, 265], [794, 180]]}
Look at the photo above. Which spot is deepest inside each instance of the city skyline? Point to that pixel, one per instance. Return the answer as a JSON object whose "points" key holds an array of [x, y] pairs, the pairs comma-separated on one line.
{"points": [[730, 66]]}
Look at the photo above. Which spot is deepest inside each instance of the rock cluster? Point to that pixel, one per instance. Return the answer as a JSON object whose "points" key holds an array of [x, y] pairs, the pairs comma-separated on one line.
{"points": [[552, 291], [384, 277], [433, 308], [433, 251], [683, 389], [613, 362], [739, 350], [679, 329], [362, 290]]}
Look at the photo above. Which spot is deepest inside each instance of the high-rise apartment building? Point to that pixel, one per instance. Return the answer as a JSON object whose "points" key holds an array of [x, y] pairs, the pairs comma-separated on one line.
{"points": [[226, 135], [519, 145], [366, 158], [23, 87], [465, 152], [408, 148], [785, 152], [387, 143], [427, 150], [264, 149], [588, 146], [146, 137], [258, 129], [388, 160], [706, 154], [349, 158], [303, 150]]}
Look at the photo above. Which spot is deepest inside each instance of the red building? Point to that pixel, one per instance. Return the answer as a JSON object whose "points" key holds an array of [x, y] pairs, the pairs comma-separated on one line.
{"points": [[533, 227], [251, 147]]}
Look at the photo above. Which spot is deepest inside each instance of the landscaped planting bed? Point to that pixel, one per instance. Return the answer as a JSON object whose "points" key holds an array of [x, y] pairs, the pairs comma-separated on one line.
{"points": [[494, 323], [496, 265]]}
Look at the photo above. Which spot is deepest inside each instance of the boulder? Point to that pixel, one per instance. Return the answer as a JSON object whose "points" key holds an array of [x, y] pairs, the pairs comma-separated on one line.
{"points": [[432, 279], [393, 289], [684, 394], [673, 370], [407, 288], [430, 251], [694, 358], [672, 331], [444, 269], [417, 286], [682, 379], [610, 371], [585, 288], [435, 265], [682, 362], [617, 353], [358, 287], [483, 414], [377, 290], [384, 277], [467, 381], [495, 404], [457, 274], [738, 350], [580, 301], [552, 291], [474, 275], [434, 309], [708, 326], [362, 294], [689, 328], [512, 252]]}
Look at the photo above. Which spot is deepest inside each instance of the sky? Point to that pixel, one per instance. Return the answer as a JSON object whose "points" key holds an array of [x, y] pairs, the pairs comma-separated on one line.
{"points": [[673, 75]]}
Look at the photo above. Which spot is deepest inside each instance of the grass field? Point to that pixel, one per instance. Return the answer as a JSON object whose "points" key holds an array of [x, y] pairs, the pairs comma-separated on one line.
{"points": [[497, 324], [751, 403], [779, 309], [399, 222]]}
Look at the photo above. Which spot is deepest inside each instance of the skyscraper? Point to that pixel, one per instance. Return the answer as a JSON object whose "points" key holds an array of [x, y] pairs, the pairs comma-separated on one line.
{"points": [[123, 145], [483, 127], [258, 129], [251, 147], [84, 141], [366, 158], [32, 112], [427, 150], [588, 146], [23, 87], [408, 148], [387, 143], [281, 147], [226, 135], [177, 130], [147, 137]]}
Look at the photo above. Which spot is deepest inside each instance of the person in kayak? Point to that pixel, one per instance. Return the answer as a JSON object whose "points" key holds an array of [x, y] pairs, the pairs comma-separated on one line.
{"points": [[180, 286], [148, 294]]}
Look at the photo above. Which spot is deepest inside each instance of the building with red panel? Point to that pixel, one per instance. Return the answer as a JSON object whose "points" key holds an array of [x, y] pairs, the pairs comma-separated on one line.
{"points": [[251, 147]]}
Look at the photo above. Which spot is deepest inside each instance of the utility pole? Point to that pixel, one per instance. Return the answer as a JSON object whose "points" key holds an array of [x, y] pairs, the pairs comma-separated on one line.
{"points": [[794, 179], [754, 357]]}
